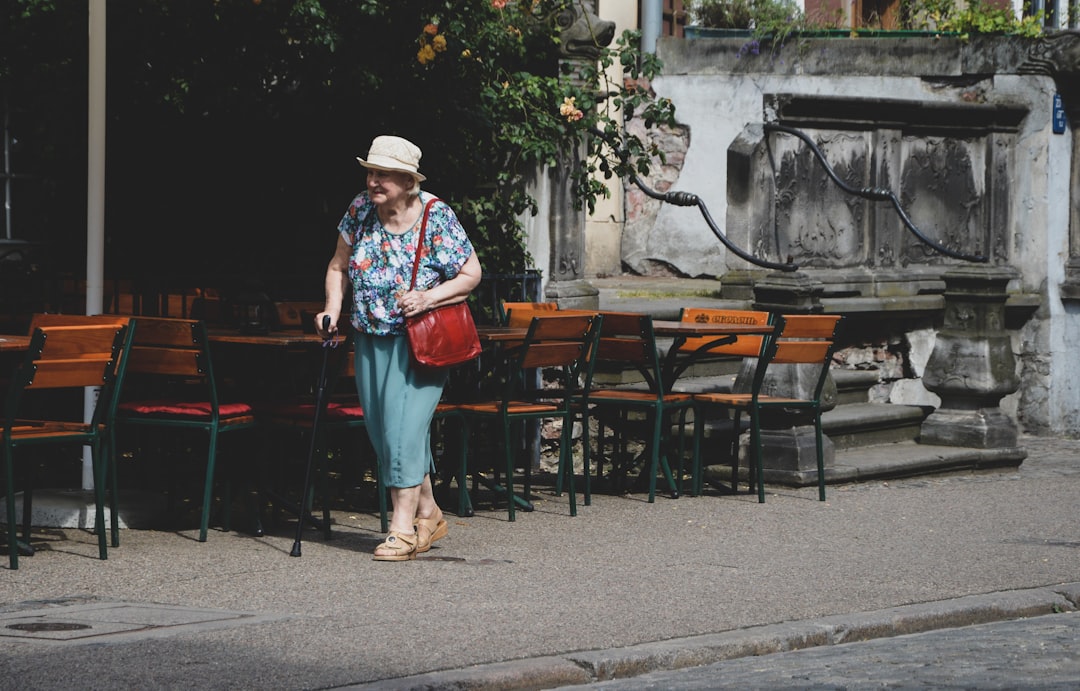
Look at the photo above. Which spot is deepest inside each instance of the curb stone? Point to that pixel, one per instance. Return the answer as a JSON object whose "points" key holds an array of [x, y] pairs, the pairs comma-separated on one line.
{"points": [[620, 663]]}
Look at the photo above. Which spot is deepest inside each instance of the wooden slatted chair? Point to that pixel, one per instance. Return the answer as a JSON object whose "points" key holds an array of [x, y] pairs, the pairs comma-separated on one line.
{"points": [[296, 314], [64, 358], [798, 340], [170, 384], [520, 315], [627, 341], [506, 307], [743, 346], [57, 319], [562, 343], [703, 349], [53, 319]]}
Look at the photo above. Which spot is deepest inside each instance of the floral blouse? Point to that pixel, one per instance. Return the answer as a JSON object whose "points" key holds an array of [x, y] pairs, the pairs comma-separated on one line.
{"points": [[381, 263]]}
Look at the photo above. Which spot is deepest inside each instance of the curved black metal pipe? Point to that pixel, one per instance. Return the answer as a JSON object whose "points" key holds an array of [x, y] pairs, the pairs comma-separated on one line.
{"points": [[874, 194], [691, 199]]}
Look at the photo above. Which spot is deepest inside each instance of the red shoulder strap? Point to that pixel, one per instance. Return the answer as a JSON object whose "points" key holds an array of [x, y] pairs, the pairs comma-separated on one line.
{"points": [[420, 241]]}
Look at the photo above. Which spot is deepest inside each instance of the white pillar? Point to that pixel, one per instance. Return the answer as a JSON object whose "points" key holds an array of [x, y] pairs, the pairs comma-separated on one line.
{"points": [[95, 192]]}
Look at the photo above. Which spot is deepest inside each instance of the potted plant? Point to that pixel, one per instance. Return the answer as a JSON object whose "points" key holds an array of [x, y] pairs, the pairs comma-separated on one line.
{"points": [[718, 14], [742, 17], [776, 20]]}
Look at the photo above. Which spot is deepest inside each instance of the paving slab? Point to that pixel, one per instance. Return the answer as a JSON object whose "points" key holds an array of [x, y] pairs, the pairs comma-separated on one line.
{"points": [[117, 621], [624, 585]]}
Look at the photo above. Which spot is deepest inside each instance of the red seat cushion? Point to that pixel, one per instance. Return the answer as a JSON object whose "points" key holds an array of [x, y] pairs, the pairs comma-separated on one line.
{"points": [[197, 409], [344, 411], [335, 410]]}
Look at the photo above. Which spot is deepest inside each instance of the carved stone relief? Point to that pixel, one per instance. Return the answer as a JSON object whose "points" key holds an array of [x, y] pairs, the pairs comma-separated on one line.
{"points": [[950, 175], [823, 226], [942, 187]]}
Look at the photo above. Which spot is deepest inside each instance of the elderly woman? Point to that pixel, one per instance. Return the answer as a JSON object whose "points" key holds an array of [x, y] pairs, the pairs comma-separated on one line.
{"points": [[375, 252]]}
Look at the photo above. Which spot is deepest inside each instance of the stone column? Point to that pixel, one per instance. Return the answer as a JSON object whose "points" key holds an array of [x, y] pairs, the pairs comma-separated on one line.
{"points": [[972, 366], [566, 268], [582, 35], [788, 440]]}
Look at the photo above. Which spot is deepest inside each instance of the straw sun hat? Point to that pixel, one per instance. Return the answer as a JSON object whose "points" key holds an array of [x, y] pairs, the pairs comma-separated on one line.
{"points": [[394, 154]]}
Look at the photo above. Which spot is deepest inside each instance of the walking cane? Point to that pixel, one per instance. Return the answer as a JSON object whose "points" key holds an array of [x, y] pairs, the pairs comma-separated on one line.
{"points": [[320, 392]]}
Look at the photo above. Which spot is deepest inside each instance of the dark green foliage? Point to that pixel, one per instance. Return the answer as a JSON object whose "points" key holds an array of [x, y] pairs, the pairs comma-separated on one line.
{"points": [[234, 125]]}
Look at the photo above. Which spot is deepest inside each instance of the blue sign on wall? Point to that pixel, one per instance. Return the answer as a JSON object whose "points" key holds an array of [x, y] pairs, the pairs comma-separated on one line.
{"points": [[1059, 115]]}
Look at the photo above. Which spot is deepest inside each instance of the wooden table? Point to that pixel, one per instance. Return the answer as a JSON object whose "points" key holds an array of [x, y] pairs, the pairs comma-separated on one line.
{"points": [[283, 339], [268, 365], [277, 365], [14, 343], [12, 352], [487, 334], [500, 334], [676, 362]]}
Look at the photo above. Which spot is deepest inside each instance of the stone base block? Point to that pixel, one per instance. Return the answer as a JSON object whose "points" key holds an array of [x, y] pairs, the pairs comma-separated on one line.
{"points": [[981, 428], [573, 294], [791, 450]]}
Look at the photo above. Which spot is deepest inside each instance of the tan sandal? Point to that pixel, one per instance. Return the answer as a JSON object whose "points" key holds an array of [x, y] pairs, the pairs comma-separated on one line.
{"points": [[428, 530], [402, 546]]}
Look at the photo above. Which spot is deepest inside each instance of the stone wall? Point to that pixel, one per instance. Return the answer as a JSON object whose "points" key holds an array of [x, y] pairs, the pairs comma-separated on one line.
{"points": [[961, 131]]}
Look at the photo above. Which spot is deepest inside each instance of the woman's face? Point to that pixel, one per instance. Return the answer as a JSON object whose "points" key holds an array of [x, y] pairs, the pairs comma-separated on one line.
{"points": [[388, 187]]}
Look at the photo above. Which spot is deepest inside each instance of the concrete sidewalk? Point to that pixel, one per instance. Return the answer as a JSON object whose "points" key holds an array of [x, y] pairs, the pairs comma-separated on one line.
{"points": [[624, 588]]}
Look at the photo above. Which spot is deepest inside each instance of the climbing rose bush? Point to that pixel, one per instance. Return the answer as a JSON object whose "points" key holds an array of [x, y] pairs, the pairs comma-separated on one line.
{"points": [[527, 109]]}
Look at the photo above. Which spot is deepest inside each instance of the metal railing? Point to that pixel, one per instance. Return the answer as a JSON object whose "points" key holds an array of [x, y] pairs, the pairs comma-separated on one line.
{"points": [[691, 199], [869, 193]]}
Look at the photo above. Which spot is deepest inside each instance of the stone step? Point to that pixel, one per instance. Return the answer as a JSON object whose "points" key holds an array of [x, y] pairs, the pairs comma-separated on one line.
{"points": [[882, 462], [853, 385], [853, 422], [856, 425]]}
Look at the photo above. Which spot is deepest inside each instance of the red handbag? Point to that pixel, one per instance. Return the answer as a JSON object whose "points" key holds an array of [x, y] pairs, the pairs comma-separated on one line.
{"points": [[443, 336]]}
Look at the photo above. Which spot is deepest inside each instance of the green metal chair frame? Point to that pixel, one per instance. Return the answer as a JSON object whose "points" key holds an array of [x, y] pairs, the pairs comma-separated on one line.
{"points": [[559, 342], [627, 340], [805, 339], [65, 357], [699, 350], [176, 353]]}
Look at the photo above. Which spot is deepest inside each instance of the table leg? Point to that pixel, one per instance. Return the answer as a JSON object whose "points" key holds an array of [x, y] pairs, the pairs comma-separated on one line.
{"points": [[672, 366]]}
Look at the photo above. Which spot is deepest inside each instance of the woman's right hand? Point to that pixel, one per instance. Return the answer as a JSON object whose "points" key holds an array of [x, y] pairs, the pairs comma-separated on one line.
{"points": [[331, 329]]}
